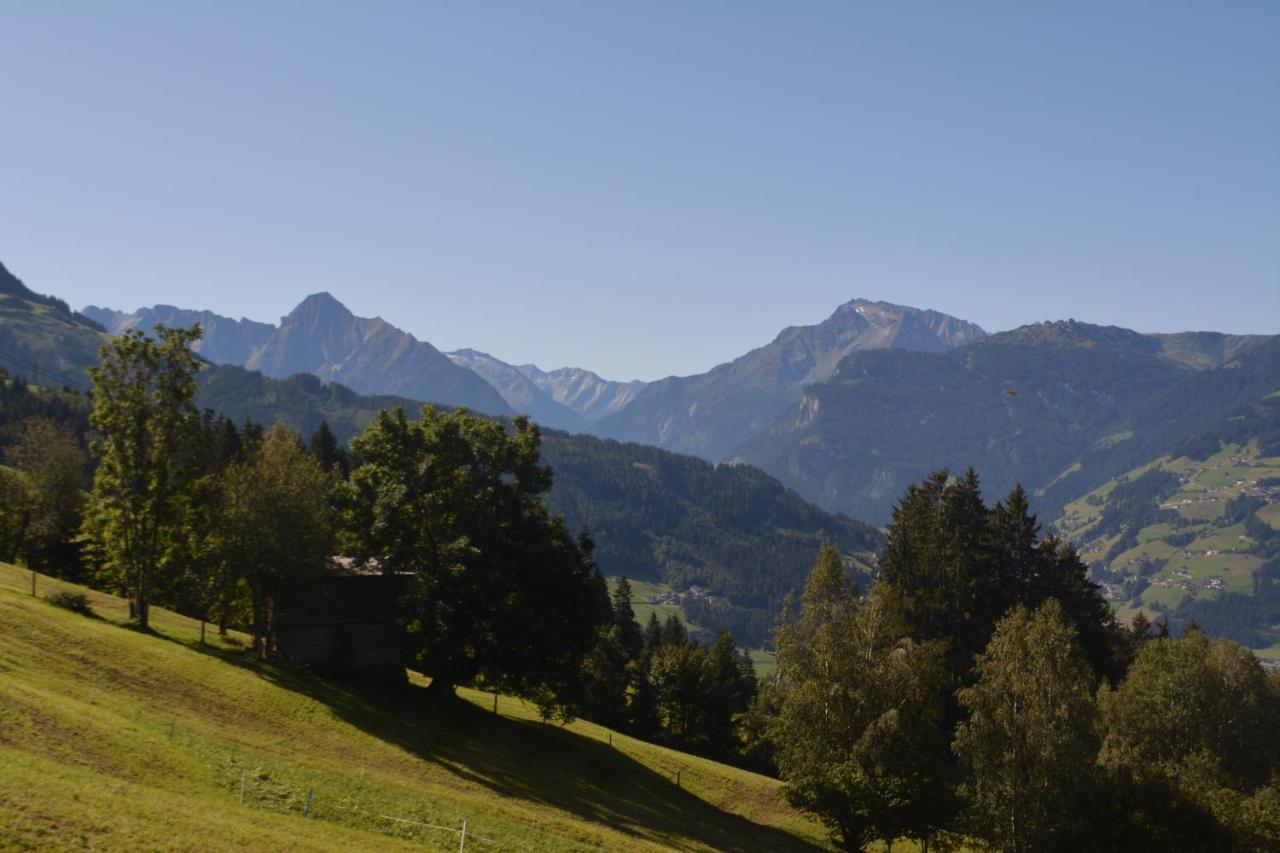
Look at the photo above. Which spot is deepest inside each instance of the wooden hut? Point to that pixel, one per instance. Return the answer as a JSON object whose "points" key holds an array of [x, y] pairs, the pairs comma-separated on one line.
{"points": [[341, 623]]}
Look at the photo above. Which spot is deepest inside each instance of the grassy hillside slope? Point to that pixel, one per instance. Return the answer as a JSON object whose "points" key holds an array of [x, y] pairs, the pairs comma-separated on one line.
{"points": [[114, 739], [42, 338]]}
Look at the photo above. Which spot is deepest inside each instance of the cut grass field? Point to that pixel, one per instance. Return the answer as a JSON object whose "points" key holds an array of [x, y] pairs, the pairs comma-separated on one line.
{"points": [[1206, 551], [642, 591], [111, 738], [764, 660]]}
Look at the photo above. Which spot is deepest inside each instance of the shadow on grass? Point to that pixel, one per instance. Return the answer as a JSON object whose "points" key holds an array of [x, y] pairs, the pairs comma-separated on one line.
{"points": [[528, 760]]}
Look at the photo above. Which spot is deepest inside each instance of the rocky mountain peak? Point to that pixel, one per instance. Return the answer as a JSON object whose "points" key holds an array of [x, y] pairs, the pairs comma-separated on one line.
{"points": [[320, 306]]}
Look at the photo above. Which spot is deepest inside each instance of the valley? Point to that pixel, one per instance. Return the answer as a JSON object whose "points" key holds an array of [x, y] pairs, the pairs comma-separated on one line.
{"points": [[640, 427]]}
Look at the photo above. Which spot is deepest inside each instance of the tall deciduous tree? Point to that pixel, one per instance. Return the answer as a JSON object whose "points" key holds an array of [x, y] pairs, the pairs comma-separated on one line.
{"points": [[14, 506], [144, 411], [1193, 698], [1028, 745], [53, 462], [499, 586], [860, 737], [273, 521]]}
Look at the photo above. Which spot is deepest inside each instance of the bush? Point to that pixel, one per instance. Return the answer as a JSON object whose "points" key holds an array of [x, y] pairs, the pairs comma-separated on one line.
{"points": [[77, 602]]}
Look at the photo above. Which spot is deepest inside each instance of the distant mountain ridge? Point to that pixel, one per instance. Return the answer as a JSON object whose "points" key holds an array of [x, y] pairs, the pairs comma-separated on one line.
{"points": [[322, 337], [1079, 414], [225, 341], [711, 413], [583, 391], [519, 391], [1058, 407]]}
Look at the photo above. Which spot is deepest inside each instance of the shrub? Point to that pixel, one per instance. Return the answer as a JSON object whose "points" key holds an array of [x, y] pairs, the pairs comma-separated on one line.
{"points": [[77, 602]]}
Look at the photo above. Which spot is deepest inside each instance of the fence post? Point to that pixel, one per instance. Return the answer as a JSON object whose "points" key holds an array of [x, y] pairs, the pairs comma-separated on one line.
{"points": [[242, 774], [307, 811], [33, 581], [610, 738], [495, 701], [462, 842], [677, 778]]}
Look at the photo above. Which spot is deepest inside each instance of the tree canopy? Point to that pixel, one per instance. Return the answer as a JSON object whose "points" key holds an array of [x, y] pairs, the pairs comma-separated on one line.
{"points": [[498, 586], [1028, 744], [859, 734], [144, 410]]}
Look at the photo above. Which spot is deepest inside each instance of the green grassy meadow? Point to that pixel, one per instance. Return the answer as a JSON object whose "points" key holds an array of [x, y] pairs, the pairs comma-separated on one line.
{"points": [[641, 591], [115, 739], [764, 660]]}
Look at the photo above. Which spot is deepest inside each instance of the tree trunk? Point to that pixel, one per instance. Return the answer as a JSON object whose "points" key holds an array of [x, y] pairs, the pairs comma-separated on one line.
{"points": [[441, 690], [259, 623], [141, 605]]}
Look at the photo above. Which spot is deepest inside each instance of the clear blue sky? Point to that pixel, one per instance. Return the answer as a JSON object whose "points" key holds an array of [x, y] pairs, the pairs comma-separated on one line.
{"points": [[648, 188]]}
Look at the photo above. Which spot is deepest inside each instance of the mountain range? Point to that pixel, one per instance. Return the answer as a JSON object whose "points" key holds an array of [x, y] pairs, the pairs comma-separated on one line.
{"points": [[733, 532], [323, 338], [711, 413], [847, 413], [707, 414]]}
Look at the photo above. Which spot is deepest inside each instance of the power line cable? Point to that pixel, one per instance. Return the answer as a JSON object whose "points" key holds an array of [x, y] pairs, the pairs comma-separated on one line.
{"points": [[24, 364]]}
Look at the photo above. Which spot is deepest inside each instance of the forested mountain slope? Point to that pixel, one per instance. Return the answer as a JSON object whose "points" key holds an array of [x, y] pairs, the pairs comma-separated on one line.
{"points": [[42, 338], [733, 531], [1195, 533], [1199, 404], [1059, 407]]}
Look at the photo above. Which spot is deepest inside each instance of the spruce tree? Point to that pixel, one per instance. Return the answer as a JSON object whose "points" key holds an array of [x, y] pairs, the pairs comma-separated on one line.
{"points": [[624, 617], [324, 446], [673, 632], [958, 567], [652, 634], [937, 559]]}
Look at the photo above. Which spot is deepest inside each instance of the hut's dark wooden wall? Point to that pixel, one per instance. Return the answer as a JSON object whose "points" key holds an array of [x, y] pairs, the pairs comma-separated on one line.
{"points": [[340, 625]]}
